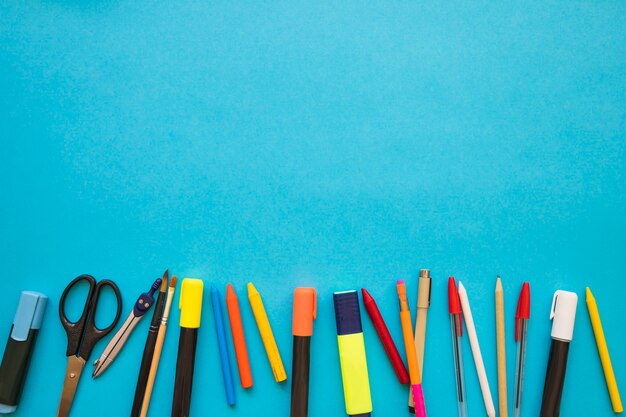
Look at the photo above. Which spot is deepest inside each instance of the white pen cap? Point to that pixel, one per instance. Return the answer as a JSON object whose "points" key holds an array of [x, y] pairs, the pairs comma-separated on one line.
{"points": [[563, 315]]}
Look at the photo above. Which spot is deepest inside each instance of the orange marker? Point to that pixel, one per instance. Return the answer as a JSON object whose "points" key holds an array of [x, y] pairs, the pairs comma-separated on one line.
{"points": [[239, 339], [304, 312]]}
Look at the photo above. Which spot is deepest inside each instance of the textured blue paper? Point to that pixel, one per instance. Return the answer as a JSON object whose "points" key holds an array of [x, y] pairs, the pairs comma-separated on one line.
{"points": [[326, 144]]}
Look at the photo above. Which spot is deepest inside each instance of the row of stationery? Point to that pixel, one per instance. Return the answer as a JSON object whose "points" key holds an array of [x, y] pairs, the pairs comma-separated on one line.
{"points": [[83, 334]]}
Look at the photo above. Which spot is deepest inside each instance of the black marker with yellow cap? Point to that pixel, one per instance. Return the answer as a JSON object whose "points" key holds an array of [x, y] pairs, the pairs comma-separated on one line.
{"points": [[190, 311]]}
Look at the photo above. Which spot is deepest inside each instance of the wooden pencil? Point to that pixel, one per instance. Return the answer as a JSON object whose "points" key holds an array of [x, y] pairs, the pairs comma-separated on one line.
{"points": [[501, 347]]}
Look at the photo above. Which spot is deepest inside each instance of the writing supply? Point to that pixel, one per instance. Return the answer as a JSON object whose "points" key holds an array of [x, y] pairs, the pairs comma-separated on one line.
{"points": [[82, 335], [456, 324], [158, 347], [501, 350], [239, 338], [478, 358], [385, 337], [603, 351], [563, 316], [263, 323], [304, 312], [190, 313], [143, 304], [19, 348], [522, 315], [423, 304], [227, 376], [148, 350], [354, 375], [411, 353]]}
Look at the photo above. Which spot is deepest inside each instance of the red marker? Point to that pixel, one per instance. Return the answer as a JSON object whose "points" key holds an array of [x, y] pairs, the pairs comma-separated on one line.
{"points": [[385, 337]]}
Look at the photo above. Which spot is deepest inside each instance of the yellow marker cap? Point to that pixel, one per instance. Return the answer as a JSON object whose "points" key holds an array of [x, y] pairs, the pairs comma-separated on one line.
{"points": [[191, 303]]}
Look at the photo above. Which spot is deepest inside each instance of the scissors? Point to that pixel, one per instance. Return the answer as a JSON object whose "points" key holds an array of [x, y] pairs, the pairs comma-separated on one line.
{"points": [[82, 335]]}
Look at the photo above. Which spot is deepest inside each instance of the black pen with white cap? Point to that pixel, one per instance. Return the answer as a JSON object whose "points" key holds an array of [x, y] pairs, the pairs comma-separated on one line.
{"points": [[563, 316]]}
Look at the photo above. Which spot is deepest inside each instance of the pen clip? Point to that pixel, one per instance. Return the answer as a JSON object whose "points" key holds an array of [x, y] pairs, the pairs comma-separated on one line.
{"points": [[554, 302]]}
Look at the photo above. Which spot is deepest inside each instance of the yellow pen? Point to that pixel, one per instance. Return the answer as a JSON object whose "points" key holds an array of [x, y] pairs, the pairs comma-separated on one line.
{"points": [[262, 322], [603, 350]]}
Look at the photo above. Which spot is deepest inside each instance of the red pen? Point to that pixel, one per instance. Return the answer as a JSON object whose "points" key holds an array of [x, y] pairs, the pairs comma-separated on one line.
{"points": [[385, 337], [522, 315]]}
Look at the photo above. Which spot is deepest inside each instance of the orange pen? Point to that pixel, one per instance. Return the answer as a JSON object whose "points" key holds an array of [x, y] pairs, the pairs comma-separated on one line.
{"points": [[411, 352], [239, 339]]}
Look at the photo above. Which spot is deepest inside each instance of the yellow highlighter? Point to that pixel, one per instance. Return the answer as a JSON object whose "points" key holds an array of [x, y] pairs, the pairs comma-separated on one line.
{"points": [[603, 350], [262, 322], [356, 385]]}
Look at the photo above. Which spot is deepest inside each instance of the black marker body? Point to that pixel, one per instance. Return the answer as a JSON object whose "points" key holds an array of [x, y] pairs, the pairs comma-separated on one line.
{"points": [[184, 371], [14, 367], [555, 378], [300, 379]]}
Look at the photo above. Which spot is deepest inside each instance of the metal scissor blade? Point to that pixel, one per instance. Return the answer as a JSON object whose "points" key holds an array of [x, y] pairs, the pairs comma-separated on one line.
{"points": [[75, 365], [115, 345]]}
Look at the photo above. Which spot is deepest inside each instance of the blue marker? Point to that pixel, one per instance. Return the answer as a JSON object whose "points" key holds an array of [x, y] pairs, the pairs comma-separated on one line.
{"points": [[229, 384]]}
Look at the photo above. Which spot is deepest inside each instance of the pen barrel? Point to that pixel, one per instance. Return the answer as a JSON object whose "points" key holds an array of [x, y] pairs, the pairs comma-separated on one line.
{"points": [[184, 371], [555, 378], [409, 345], [520, 360], [458, 364], [419, 337], [14, 368], [300, 379]]}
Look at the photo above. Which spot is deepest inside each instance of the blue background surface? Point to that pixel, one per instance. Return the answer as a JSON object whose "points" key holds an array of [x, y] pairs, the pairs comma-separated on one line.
{"points": [[329, 144]]}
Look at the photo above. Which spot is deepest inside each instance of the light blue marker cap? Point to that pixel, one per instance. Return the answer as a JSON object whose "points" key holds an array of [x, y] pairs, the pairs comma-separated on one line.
{"points": [[29, 314]]}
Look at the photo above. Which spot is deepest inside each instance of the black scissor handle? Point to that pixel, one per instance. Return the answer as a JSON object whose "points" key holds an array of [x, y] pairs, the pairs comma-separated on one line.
{"points": [[92, 332], [75, 329]]}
